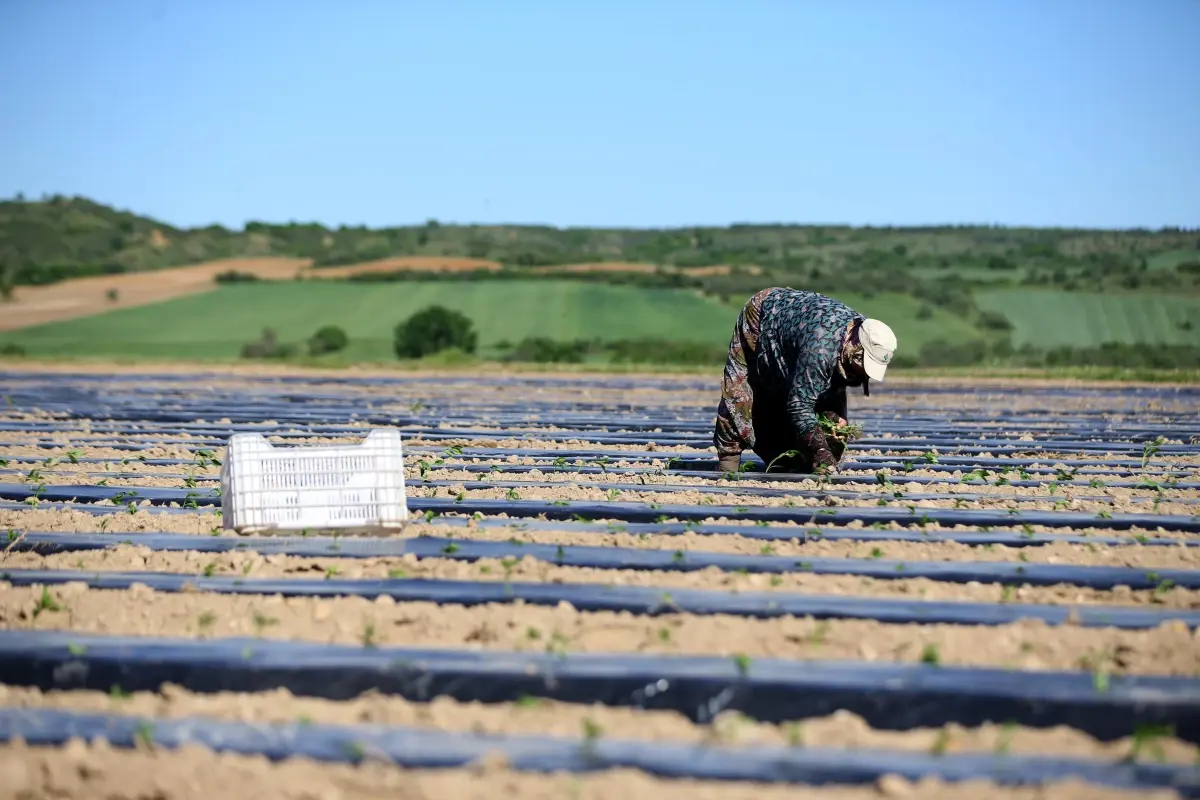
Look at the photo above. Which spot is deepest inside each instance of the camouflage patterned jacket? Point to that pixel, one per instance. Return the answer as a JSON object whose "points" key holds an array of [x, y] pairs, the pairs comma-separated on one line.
{"points": [[799, 345]]}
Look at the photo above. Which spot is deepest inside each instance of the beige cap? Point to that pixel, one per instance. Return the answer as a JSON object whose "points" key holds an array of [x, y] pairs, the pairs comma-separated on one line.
{"points": [[878, 343]]}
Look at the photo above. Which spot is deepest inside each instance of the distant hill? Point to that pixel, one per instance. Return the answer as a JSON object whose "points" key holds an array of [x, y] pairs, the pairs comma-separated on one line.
{"points": [[961, 295], [46, 240]]}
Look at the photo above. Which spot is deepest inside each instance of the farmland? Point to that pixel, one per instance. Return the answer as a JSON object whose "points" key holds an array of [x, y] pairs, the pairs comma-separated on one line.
{"points": [[215, 325], [1049, 318], [998, 575], [80, 279]]}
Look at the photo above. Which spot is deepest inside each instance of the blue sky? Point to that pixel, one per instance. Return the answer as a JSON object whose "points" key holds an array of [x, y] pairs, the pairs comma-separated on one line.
{"points": [[1041, 112]]}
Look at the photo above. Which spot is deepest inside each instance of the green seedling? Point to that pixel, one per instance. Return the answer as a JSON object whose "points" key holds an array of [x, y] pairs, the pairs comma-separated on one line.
{"points": [[1148, 738], [145, 734], [1004, 740], [1150, 449], [778, 458], [844, 433], [558, 645], [742, 662], [262, 621], [591, 730], [46, 603]]}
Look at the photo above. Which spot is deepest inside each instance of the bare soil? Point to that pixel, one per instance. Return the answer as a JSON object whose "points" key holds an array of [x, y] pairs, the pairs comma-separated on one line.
{"points": [[1169, 649], [82, 297], [82, 771], [399, 263], [534, 716], [527, 569]]}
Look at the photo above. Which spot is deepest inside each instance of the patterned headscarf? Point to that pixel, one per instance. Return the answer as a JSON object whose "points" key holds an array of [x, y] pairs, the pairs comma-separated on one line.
{"points": [[852, 358]]}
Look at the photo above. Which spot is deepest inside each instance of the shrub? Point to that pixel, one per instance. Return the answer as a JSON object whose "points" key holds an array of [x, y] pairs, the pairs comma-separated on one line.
{"points": [[234, 276], [924, 312], [328, 339], [541, 350], [657, 351], [113, 295], [994, 321], [941, 353], [432, 330], [268, 346], [11, 349]]}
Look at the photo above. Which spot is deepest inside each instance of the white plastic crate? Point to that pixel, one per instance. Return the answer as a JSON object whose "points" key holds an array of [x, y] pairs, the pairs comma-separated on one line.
{"points": [[340, 487]]}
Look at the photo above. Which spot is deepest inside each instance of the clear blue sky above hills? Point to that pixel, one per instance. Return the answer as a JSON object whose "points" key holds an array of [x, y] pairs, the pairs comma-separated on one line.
{"points": [[654, 112]]}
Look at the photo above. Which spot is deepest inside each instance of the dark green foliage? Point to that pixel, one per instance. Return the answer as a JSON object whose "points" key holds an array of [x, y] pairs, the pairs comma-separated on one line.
{"points": [[60, 237], [657, 351], [621, 351], [12, 350], [994, 321], [941, 353], [433, 330], [268, 346], [540, 350], [234, 276], [329, 339]]}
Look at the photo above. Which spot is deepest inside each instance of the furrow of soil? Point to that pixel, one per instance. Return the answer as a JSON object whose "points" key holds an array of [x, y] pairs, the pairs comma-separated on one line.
{"points": [[82, 771], [1168, 649], [1133, 554], [532, 716], [517, 568]]}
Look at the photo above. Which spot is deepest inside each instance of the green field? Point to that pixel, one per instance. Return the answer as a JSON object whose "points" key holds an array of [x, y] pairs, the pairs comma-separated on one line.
{"points": [[1172, 259], [1046, 318], [216, 324]]}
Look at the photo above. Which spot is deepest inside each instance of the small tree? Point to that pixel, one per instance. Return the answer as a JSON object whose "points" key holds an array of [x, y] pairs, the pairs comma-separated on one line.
{"points": [[433, 330], [8, 279], [268, 346], [328, 339]]}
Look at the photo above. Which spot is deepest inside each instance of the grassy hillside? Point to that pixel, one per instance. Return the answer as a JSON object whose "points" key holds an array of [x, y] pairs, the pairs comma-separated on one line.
{"points": [[1048, 318], [955, 295], [63, 236], [218, 323]]}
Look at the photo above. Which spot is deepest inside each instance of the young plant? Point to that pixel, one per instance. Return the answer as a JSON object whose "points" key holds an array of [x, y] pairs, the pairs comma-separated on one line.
{"points": [[844, 433]]}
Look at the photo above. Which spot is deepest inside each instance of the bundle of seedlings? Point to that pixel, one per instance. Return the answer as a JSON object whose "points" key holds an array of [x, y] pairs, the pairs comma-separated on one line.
{"points": [[838, 435], [844, 433]]}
